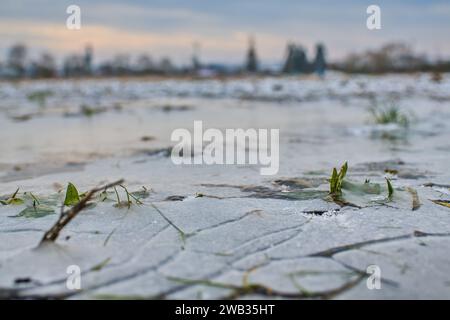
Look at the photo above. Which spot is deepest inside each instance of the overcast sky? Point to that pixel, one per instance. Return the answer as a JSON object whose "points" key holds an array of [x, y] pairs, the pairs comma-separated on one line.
{"points": [[170, 27]]}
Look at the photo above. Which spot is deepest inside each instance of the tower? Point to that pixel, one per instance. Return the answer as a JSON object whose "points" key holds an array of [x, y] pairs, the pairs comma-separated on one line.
{"points": [[252, 62], [87, 59]]}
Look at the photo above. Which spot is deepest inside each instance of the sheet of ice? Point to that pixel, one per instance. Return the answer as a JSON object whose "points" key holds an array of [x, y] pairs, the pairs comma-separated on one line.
{"points": [[241, 228]]}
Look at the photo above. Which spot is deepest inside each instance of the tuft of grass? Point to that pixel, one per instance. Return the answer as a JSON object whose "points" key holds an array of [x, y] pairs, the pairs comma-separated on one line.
{"points": [[337, 179], [389, 114], [137, 196], [40, 97], [364, 190], [89, 111], [130, 196]]}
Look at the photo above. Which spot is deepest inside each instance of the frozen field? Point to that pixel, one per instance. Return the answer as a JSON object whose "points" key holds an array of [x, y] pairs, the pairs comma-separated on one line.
{"points": [[225, 231]]}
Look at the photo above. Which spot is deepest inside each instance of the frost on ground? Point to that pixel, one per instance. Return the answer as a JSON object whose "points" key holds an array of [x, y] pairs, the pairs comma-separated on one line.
{"points": [[205, 232]]}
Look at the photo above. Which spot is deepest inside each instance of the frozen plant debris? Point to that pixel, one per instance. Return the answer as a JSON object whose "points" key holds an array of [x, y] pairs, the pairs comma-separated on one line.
{"points": [[66, 216], [444, 203], [13, 199], [390, 189], [348, 193], [36, 211]]}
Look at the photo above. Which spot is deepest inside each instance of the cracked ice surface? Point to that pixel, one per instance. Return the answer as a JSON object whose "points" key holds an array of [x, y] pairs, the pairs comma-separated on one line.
{"points": [[238, 234]]}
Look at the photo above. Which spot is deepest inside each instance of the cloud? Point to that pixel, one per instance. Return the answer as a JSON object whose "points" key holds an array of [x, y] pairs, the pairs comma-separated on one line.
{"points": [[147, 18], [109, 41], [164, 28]]}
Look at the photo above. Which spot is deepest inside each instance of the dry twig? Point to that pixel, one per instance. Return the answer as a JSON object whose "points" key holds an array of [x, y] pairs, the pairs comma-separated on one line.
{"points": [[66, 216]]}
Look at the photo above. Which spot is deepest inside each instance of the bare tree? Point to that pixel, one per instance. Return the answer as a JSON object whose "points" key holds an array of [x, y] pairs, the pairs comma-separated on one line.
{"points": [[17, 59], [166, 65], [74, 66], [45, 67], [121, 64], [144, 64]]}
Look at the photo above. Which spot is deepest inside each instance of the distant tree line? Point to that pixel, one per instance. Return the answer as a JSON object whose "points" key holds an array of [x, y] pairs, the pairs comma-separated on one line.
{"points": [[297, 61], [390, 58], [18, 64]]}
